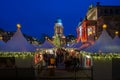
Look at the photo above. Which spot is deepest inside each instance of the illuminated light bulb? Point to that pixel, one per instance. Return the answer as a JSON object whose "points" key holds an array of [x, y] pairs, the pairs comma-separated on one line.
{"points": [[18, 26], [116, 32], [104, 26]]}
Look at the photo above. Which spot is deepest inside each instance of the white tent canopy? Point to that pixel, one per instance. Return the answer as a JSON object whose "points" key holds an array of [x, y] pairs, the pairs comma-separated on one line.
{"points": [[2, 45], [76, 44], [116, 40], [103, 44], [47, 45], [18, 43]]}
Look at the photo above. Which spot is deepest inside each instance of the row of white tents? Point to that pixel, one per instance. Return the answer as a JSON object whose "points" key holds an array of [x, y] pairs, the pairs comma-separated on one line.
{"points": [[105, 44], [18, 43]]}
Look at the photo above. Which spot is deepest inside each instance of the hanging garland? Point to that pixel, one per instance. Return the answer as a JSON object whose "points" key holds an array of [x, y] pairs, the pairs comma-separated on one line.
{"points": [[17, 54], [103, 56], [93, 55]]}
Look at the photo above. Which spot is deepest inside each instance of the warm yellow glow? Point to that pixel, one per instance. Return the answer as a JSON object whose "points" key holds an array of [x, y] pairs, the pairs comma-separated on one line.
{"points": [[96, 38], [1, 38], [116, 32], [104, 26], [72, 50], [18, 26], [46, 51], [90, 33], [46, 38], [63, 36]]}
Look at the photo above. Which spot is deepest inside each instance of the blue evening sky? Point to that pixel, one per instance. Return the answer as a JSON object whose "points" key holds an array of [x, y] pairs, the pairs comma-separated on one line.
{"points": [[38, 16]]}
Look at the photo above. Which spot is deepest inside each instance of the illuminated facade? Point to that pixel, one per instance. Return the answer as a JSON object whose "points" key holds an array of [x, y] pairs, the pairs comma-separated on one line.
{"points": [[91, 27], [58, 31], [86, 31]]}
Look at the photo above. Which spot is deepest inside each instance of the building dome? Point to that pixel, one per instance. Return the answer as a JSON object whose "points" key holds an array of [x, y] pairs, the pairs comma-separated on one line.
{"points": [[58, 22]]}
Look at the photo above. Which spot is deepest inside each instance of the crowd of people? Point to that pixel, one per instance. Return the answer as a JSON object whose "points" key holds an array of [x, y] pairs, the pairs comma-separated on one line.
{"points": [[71, 59]]}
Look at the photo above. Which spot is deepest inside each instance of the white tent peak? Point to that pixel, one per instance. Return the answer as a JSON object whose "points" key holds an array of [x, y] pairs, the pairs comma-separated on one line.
{"points": [[76, 45], [103, 44], [47, 44], [2, 45], [18, 26], [116, 40], [18, 43]]}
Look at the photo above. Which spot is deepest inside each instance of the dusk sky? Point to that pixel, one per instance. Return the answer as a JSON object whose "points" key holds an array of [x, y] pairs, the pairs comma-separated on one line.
{"points": [[38, 16]]}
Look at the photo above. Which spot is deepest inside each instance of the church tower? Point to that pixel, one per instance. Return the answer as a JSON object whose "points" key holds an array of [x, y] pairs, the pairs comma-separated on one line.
{"points": [[58, 28], [58, 32]]}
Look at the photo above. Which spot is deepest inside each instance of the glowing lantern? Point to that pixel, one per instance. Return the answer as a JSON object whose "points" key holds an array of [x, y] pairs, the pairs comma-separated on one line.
{"points": [[116, 32], [104, 26], [18, 26]]}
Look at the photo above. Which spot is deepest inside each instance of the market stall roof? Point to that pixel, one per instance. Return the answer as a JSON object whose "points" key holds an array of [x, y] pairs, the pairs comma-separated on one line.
{"points": [[2, 44], [76, 44], [47, 45], [18, 43], [116, 39], [103, 44]]}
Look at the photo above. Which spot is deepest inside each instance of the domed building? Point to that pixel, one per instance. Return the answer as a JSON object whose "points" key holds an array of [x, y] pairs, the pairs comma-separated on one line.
{"points": [[58, 38]]}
